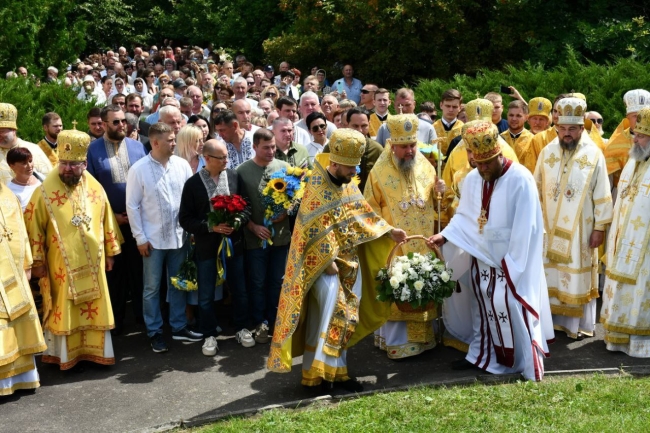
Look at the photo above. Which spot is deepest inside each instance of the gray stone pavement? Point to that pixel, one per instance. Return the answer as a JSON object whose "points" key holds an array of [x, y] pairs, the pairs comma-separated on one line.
{"points": [[144, 391]]}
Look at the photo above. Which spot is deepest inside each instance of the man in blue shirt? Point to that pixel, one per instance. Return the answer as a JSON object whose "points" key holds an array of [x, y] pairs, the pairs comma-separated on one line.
{"points": [[109, 159], [351, 86]]}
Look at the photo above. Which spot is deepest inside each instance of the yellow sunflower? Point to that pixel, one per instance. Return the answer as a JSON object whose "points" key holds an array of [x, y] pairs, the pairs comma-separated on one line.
{"points": [[279, 185]]}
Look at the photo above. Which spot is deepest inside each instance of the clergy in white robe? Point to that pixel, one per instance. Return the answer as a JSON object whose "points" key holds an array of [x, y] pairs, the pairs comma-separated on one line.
{"points": [[495, 242], [574, 190]]}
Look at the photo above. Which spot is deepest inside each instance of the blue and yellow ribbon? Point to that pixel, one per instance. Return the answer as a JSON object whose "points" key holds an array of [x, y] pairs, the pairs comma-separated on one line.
{"points": [[225, 251]]}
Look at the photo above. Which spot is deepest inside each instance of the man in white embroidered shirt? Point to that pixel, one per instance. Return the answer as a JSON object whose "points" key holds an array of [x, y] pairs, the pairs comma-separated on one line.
{"points": [[495, 247], [239, 142], [153, 201]]}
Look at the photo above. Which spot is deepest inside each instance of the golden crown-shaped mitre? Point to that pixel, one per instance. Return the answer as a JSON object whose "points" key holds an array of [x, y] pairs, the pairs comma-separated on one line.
{"points": [[643, 121], [403, 129], [347, 147], [571, 111], [73, 145], [539, 107], [8, 116], [479, 109], [635, 100], [482, 138]]}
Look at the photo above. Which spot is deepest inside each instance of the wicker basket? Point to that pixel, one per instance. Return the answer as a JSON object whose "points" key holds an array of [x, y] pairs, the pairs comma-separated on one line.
{"points": [[405, 307]]}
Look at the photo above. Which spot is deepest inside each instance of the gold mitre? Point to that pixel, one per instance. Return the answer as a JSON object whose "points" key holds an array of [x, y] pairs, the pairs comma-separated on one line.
{"points": [[8, 116], [482, 138], [635, 100], [347, 147], [571, 111], [73, 145], [643, 121], [403, 129], [479, 109], [577, 95], [540, 107]]}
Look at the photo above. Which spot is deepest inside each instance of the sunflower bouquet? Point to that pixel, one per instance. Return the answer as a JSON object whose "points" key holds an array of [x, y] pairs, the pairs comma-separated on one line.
{"points": [[186, 280], [283, 193]]}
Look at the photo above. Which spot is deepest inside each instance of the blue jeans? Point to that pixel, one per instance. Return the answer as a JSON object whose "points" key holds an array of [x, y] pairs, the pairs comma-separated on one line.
{"points": [[153, 270], [236, 280], [266, 272]]}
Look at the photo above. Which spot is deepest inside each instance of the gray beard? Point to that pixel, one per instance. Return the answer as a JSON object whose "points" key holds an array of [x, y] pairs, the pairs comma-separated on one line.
{"points": [[405, 166], [639, 153]]}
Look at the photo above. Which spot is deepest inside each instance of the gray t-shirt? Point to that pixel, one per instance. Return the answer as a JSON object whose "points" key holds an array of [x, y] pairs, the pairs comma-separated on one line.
{"points": [[254, 181]]}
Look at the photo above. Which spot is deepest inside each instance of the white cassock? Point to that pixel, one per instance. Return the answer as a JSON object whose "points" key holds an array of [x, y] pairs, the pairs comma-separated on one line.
{"points": [[510, 313]]}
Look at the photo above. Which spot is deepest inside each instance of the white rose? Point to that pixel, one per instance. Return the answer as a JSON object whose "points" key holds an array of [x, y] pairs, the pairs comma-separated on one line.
{"points": [[418, 285], [427, 267], [394, 282], [444, 276], [412, 274]]}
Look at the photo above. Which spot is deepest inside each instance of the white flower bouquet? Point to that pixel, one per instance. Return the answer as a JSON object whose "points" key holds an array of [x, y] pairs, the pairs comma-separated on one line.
{"points": [[415, 282]]}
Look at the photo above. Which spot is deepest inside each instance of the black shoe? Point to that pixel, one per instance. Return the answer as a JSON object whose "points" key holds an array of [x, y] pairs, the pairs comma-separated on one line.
{"points": [[461, 364], [187, 335], [351, 385], [158, 344]]}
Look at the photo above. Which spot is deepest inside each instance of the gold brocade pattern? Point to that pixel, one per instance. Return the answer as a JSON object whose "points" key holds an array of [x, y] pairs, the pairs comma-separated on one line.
{"points": [[331, 223], [618, 149], [441, 132], [522, 148]]}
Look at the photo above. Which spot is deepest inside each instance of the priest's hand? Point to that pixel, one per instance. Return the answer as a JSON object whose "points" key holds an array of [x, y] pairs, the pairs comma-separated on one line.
{"points": [[39, 271], [109, 263], [596, 238], [436, 240], [398, 235], [332, 269], [440, 186], [145, 248]]}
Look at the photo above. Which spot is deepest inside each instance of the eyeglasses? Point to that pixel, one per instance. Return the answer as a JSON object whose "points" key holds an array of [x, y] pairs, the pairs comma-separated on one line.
{"points": [[598, 121], [220, 158], [271, 95], [118, 121], [70, 164], [217, 110], [250, 83], [322, 127]]}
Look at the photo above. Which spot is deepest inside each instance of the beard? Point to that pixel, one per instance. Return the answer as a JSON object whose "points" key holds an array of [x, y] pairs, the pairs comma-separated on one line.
{"points": [[639, 153], [570, 145], [8, 139], [70, 179], [405, 165], [116, 135]]}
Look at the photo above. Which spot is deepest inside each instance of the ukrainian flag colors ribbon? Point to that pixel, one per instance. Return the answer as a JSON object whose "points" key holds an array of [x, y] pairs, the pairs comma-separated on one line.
{"points": [[225, 251]]}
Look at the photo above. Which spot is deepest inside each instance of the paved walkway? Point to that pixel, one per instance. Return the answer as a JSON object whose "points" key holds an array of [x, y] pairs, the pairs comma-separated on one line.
{"points": [[144, 390]]}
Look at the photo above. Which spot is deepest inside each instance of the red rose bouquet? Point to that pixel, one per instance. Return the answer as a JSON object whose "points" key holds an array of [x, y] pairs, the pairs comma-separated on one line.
{"points": [[229, 209]]}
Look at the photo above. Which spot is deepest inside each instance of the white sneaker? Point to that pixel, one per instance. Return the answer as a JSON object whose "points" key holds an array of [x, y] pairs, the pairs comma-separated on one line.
{"points": [[210, 347], [245, 338]]}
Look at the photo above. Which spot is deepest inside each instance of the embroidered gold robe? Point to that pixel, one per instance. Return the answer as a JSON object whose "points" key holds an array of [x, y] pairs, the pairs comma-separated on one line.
{"points": [[375, 124], [618, 148], [385, 190], [441, 132], [76, 304], [576, 200], [331, 223], [21, 335], [626, 297], [52, 154], [521, 146]]}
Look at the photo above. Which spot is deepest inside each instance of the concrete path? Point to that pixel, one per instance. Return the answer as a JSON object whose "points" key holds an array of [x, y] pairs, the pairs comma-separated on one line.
{"points": [[145, 391]]}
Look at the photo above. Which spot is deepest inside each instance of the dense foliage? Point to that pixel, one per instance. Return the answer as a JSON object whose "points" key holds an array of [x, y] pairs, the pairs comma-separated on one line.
{"points": [[603, 85], [33, 102], [389, 41]]}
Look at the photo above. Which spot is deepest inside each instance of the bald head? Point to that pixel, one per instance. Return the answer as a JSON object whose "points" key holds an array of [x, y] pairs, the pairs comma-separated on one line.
{"points": [[242, 109], [212, 146]]}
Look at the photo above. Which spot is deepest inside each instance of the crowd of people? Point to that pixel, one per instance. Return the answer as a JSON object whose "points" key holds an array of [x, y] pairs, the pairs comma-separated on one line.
{"points": [[92, 220]]}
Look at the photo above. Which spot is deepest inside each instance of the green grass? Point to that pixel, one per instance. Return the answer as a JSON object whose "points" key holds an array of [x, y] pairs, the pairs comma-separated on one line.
{"points": [[587, 404]]}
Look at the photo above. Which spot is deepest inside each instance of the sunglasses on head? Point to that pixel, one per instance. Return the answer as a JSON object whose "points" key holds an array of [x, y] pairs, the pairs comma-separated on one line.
{"points": [[322, 127]]}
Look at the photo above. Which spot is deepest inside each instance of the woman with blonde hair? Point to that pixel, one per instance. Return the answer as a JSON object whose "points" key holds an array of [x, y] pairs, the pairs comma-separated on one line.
{"points": [[189, 146], [270, 92]]}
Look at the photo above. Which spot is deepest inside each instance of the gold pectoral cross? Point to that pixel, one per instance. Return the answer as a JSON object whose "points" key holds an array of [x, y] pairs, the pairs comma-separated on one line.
{"points": [[482, 221]]}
